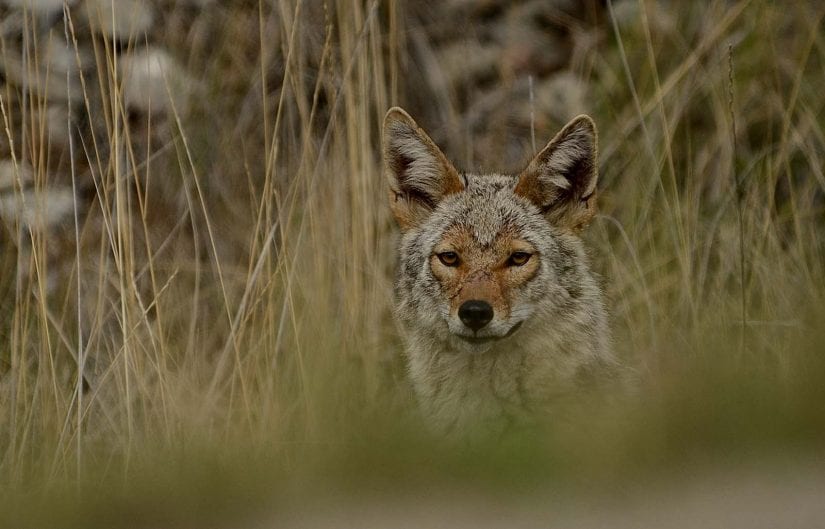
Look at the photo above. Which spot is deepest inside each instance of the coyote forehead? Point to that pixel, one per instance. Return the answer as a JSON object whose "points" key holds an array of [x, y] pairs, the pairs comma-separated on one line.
{"points": [[494, 294], [486, 206]]}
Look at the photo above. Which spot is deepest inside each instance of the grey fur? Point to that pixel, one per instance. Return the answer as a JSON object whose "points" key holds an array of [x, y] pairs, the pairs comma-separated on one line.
{"points": [[563, 331]]}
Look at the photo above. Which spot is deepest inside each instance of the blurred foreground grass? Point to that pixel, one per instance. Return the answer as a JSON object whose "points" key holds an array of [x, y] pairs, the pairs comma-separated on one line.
{"points": [[218, 346], [730, 433]]}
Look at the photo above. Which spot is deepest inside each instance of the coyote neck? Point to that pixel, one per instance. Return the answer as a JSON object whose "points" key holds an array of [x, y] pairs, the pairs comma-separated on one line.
{"points": [[513, 381]]}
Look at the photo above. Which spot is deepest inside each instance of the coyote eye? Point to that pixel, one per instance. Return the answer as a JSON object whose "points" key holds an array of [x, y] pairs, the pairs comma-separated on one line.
{"points": [[448, 258], [518, 258]]}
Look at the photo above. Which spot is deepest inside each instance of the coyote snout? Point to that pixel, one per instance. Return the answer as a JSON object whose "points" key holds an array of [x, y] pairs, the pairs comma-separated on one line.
{"points": [[482, 281], [475, 313], [494, 293]]}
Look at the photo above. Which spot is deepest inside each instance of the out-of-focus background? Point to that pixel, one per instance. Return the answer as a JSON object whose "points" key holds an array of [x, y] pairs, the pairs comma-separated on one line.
{"points": [[196, 260]]}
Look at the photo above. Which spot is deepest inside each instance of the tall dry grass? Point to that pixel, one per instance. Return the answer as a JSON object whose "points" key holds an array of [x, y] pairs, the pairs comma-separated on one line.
{"points": [[221, 276], [228, 284]]}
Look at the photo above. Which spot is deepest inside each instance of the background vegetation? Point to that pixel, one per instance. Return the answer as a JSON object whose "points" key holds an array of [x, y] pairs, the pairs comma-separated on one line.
{"points": [[204, 337]]}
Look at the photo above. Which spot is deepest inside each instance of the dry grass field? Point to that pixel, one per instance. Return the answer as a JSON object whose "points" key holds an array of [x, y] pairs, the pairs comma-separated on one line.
{"points": [[196, 256]]}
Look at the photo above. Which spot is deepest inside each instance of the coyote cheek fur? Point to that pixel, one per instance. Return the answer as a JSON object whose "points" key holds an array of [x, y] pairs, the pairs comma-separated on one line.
{"points": [[498, 308]]}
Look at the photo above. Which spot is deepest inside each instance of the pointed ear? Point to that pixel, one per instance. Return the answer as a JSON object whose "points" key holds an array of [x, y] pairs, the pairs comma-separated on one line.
{"points": [[561, 179], [418, 173]]}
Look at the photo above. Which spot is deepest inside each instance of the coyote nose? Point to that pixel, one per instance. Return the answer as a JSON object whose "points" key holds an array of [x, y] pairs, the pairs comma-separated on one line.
{"points": [[475, 313]]}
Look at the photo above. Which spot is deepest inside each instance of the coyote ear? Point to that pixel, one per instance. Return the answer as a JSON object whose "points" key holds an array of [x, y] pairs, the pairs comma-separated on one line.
{"points": [[561, 179], [418, 173]]}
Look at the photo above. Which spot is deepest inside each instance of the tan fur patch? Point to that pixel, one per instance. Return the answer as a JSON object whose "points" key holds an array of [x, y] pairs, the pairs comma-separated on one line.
{"points": [[484, 272]]}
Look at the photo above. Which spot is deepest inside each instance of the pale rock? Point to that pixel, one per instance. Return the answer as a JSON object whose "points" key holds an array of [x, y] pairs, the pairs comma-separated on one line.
{"points": [[57, 124], [14, 175], [149, 77], [21, 202], [48, 76]]}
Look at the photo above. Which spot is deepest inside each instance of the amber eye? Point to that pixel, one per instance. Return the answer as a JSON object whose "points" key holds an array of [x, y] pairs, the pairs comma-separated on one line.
{"points": [[518, 258], [448, 258]]}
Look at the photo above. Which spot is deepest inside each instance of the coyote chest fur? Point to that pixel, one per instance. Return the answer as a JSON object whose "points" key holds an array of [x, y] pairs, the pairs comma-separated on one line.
{"points": [[498, 308]]}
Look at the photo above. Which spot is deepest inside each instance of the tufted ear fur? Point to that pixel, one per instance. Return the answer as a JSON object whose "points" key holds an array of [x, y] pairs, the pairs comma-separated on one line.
{"points": [[418, 173], [561, 179]]}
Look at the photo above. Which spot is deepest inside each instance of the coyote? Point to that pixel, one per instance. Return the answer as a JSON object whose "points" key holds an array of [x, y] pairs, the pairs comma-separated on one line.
{"points": [[497, 306]]}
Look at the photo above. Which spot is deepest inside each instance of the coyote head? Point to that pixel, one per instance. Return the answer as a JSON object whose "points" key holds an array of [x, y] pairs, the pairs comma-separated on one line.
{"points": [[482, 256]]}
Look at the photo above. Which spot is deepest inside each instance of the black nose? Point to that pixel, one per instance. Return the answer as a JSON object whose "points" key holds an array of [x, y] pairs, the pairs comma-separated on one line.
{"points": [[475, 314]]}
